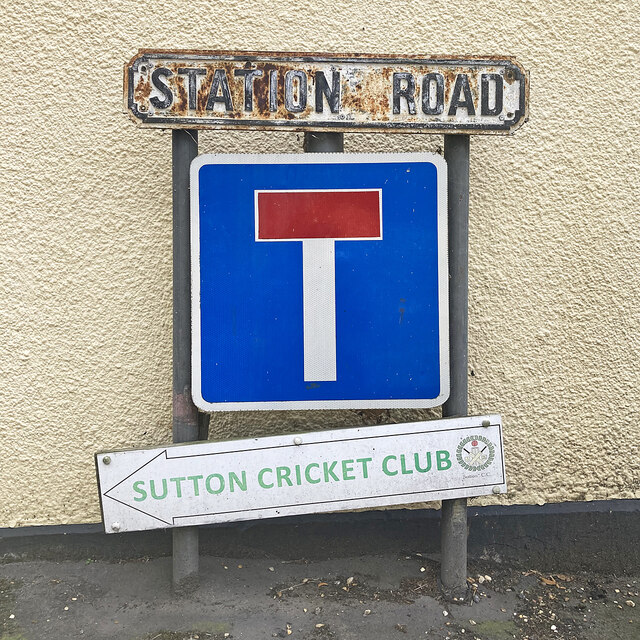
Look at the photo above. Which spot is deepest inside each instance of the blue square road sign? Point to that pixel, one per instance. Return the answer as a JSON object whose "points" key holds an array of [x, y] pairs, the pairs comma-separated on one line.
{"points": [[319, 281]]}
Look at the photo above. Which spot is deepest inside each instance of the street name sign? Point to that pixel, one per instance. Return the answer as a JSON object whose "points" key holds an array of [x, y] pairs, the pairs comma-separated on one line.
{"points": [[319, 281], [321, 91], [344, 469]]}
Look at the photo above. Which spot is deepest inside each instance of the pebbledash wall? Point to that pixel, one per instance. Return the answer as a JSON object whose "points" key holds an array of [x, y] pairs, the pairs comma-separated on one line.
{"points": [[85, 197]]}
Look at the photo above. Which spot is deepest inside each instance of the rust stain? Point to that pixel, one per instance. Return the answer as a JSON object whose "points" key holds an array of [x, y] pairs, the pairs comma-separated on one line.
{"points": [[449, 82], [143, 90], [180, 103], [184, 410], [236, 88], [318, 56], [371, 98], [202, 96], [261, 91]]}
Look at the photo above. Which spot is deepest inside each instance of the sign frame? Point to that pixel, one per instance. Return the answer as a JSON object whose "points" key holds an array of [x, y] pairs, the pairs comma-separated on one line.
{"points": [[442, 278]]}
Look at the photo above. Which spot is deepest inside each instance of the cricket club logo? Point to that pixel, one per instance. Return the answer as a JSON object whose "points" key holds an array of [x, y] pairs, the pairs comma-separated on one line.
{"points": [[475, 453]]}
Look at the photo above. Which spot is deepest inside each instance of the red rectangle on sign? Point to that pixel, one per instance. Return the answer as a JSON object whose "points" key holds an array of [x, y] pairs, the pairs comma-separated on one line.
{"points": [[300, 215]]}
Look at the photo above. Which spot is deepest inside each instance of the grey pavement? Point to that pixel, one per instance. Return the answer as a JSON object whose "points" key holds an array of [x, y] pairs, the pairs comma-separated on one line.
{"points": [[371, 597]]}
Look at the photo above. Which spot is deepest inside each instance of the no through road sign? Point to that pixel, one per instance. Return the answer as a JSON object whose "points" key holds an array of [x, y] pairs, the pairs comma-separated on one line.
{"points": [[319, 281]]}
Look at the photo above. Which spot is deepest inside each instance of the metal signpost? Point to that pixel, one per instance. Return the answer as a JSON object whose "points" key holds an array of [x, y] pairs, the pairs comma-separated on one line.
{"points": [[319, 246], [185, 414]]}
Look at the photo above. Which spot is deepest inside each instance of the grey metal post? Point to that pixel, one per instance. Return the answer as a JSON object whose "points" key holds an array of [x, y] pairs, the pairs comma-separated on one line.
{"points": [[185, 413], [323, 142], [453, 527]]}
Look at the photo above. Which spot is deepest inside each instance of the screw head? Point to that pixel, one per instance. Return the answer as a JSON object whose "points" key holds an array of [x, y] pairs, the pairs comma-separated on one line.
{"points": [[297, 440], [106, 460], [115, 526], [496, 489], [486, 423]]}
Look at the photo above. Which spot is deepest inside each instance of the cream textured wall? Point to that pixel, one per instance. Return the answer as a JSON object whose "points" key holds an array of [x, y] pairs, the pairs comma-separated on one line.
{"points": [[85, 198]]}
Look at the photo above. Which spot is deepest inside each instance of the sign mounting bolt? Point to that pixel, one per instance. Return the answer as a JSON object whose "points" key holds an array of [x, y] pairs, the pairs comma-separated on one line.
{"points": [[496, 489], [486, 423], [115, 527], [106, 460], [297, 440]]}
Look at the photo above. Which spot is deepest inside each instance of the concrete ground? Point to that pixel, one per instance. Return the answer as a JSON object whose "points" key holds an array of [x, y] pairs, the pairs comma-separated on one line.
{"points": [[371, 597]]}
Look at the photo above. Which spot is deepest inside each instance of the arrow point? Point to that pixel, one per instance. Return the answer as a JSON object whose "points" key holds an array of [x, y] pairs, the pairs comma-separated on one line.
{"points": [[113, 490], [163, 452]]}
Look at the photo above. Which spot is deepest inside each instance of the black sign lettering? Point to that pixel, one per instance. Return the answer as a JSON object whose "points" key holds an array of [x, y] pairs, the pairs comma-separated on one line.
{"points": [[273, 90], [293, 105], [433, 105], [220, 82], [406, 92], [249, 76], [486, 78], [192, 74], [322, 89], [457, 101], [157, 80]]}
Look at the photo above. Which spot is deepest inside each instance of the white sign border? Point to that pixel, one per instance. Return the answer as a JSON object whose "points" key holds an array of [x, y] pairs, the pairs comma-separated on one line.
{"points": [[320, 158]]}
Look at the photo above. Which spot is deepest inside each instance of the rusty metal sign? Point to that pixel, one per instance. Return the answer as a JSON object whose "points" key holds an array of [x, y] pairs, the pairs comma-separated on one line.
{"points": [[325, 92]]}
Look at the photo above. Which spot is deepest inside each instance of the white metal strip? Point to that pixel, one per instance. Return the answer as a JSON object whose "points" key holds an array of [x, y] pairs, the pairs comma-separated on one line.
{"points": [[319, 309]]}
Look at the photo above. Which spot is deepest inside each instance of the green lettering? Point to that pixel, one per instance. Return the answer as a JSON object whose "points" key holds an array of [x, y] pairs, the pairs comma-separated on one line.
{"points": [[403, 467], [219, 478], [142, 492], [364, 462], [442, 460], [298, 477], [347, 467], [178, 483], [282, 474], [152, 486], [196, 488], [234, 480], [385, 466], [307, 475], [328, 471], [416, 459], [260, 476]]}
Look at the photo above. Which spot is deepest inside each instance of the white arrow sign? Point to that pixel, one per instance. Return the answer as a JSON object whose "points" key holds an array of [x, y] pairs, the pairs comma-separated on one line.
{"points": [[345, 469]]}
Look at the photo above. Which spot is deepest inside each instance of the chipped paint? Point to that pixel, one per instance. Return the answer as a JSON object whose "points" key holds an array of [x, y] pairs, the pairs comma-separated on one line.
{"points": [[327, 92]]}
